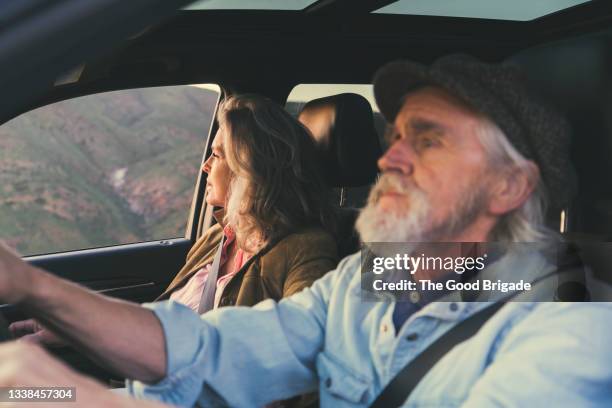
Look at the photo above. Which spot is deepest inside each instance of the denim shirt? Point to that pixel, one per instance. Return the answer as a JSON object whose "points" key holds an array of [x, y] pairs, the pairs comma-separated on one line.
{"points": [[327, 337]]}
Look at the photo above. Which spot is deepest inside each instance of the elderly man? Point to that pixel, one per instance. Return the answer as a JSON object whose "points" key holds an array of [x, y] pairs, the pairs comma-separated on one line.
{"points": [[471, 157]]}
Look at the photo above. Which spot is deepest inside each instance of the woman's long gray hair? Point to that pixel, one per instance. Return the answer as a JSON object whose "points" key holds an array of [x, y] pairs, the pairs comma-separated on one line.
{"points": [[277, 186]]}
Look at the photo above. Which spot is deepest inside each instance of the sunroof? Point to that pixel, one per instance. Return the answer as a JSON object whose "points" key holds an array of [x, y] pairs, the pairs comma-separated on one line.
{"points": [[518, 10], [250, 5]]}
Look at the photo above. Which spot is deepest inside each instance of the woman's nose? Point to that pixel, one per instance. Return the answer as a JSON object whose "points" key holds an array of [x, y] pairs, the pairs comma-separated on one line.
{"points": [[206, 165]]}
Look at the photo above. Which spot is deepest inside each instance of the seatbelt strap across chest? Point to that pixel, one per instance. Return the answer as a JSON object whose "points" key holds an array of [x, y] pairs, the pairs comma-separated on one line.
{"points": [[402, 385], [207, 301]]}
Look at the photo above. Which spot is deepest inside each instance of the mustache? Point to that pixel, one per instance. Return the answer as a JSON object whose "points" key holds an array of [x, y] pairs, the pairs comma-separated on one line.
{"points": [[395, 183]]}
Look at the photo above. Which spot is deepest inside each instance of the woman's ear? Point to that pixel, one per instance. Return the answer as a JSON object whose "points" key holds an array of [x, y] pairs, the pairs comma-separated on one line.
{"points": [[512, 188]]}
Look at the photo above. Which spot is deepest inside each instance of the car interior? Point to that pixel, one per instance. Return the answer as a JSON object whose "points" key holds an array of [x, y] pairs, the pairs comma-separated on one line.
{"points": [[565, 52]]}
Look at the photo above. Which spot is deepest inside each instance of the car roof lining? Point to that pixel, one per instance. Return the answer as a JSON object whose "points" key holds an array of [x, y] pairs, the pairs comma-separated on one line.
{"points": [[271, 51]]}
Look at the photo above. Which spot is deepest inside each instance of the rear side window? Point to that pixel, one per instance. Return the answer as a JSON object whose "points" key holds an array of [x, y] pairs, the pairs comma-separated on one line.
{"points": [[105, 169]]}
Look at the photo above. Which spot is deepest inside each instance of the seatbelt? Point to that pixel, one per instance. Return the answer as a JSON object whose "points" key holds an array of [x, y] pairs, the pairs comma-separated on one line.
{"points": [[402, 385], [207, 301]]}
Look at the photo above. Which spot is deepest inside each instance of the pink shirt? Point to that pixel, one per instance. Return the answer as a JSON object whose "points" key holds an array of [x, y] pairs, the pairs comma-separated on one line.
{"points": [[191, 293]]}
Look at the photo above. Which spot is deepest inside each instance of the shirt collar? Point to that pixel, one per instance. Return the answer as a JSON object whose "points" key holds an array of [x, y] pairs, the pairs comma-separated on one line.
{"points": [[228, 232]]}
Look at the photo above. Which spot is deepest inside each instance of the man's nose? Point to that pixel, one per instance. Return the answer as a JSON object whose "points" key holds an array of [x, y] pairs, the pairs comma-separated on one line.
{"points": [[399, 157]]}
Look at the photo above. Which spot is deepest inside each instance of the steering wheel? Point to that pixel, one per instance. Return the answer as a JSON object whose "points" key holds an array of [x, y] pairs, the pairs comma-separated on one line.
{"points": [[5, 334]]}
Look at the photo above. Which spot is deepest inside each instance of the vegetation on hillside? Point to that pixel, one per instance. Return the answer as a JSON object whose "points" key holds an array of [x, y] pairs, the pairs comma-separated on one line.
{"points": [[103, 169]]}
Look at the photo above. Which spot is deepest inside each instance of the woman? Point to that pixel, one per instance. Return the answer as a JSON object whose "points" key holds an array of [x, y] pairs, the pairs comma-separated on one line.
{"points": [[277, 223], [277, 227]]}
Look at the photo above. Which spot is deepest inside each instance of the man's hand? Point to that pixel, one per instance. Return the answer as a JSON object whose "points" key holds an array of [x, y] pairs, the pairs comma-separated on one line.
{"points": [[28, 365], [32, 331], [16, 276], [101, 327]]}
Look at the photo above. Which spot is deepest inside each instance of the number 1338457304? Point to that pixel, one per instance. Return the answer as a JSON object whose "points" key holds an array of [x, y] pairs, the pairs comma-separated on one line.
{"points": [[32, 394]]}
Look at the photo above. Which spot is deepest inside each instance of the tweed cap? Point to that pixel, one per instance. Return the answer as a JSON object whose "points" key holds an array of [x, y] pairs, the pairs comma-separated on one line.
{"points": [[500, 92]]}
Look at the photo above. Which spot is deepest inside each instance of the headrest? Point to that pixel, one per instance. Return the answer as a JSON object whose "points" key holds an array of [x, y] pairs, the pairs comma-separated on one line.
{"points": [[343, 128]]}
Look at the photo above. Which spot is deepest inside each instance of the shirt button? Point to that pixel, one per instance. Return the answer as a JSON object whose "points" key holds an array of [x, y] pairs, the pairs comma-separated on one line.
{"points": [[415, 297], [412, 336], [453, 307], [384, 328], [328, 382]]}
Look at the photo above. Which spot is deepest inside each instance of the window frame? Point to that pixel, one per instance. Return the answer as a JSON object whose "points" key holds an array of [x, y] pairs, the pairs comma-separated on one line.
{"points": [[198, 208]]}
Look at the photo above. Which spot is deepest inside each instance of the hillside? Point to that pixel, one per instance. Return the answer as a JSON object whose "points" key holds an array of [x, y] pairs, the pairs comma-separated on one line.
{"points": [[102, 169]]}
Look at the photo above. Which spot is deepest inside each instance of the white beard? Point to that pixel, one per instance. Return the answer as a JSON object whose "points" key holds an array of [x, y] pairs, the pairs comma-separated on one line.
{"points": [[414, 224], [377, 225]]}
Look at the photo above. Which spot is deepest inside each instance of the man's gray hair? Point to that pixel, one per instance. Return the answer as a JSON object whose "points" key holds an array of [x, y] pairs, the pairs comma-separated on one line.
{"points": [[526, 223]]}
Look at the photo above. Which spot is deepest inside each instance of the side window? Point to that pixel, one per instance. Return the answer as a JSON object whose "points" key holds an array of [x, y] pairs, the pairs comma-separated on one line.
{"points": [[303, 93], [105, 169]]}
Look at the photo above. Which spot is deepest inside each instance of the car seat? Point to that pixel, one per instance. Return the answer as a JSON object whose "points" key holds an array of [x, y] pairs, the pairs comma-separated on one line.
{"points": [[344, 131]]}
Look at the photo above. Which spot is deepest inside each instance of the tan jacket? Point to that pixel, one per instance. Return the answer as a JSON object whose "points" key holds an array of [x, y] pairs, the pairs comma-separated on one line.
{"points": [[278, 270]]}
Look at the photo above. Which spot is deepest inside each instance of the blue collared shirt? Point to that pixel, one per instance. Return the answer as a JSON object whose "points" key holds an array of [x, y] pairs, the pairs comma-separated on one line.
{"points": [[327, 337]]}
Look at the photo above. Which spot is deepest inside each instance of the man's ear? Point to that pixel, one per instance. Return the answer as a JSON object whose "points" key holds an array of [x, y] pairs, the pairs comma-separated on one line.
{"points": [[512, 188]]}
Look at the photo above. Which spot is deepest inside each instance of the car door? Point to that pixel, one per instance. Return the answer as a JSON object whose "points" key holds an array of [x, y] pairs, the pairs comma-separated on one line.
{"points": [[100, 189]]}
